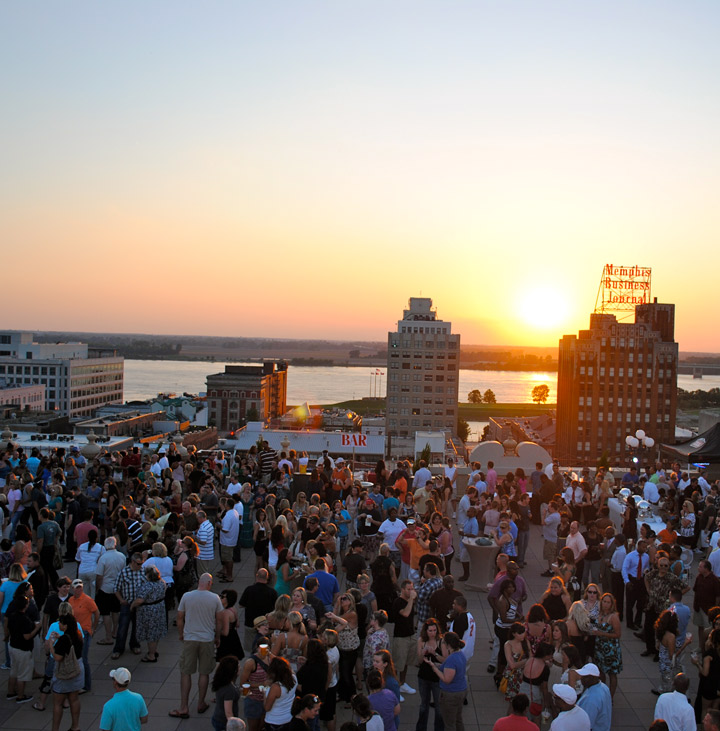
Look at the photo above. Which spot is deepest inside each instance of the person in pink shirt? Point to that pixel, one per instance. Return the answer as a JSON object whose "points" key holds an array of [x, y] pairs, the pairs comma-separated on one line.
{"points": [[491, 478]]}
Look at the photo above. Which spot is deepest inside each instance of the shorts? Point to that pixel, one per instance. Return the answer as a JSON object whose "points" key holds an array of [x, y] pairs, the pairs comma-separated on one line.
{"points": [[700, 619], [107, 603], [226, 553], [549, 550], [253, 709], [344, 543], [404, 650], [21, 664], [197, 657]]}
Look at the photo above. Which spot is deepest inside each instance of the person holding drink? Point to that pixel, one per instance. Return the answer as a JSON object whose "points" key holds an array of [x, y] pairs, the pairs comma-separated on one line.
{"points": [[253, 681]]}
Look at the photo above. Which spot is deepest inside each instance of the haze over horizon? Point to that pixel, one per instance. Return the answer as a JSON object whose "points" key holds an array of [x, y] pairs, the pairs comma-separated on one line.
{"points": [[300, 171]]}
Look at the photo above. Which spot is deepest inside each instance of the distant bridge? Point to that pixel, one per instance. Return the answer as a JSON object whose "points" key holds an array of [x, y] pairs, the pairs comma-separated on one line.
{"points": [[698, 370]]}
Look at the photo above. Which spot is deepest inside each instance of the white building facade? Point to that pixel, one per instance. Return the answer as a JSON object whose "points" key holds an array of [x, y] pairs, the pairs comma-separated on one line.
{"points": [[77, 380]]}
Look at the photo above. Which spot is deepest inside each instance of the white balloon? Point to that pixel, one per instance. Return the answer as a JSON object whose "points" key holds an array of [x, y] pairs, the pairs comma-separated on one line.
{"points": [[649, 442], [640, 434]]}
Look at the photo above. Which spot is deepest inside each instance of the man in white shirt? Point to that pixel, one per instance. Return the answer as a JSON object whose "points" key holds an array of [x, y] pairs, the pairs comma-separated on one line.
{"points": [[674, 708], [390, 529], [234, 487], [650, 492], [421, 477], [155, 466], [571, 717], [576, 542], [229, 531], [163, 462], [704, 484]]}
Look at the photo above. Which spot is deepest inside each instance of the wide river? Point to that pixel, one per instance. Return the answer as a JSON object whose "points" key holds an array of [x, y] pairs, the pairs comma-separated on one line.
{"points": [[324, 385]]}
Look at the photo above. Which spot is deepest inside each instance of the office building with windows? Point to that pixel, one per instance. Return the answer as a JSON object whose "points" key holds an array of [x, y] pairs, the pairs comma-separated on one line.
{"points": [[77, 379], [613, 379], [423, 371]]}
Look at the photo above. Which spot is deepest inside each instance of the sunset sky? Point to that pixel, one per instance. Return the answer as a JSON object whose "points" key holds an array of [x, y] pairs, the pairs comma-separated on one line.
{"points": [[300, 169]]}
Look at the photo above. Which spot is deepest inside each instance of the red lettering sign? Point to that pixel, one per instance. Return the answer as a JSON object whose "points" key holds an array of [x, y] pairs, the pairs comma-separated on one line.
{"points": [[353, 440]]}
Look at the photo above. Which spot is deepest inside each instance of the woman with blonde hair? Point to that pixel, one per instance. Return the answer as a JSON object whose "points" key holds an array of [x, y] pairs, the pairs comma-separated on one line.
{"points": [[292, 644], [556, 600], [578, 624], [278, 618]]}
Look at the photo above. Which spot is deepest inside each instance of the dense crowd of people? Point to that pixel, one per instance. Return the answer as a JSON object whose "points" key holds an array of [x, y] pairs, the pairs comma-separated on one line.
{"points": [[354, 602]]}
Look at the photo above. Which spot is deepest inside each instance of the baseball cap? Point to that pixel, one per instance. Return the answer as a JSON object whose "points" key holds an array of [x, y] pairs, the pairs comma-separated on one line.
{"points": [[339, 460], [121, 676], [565, 693], [411, 521], [589, 669], [77, 582]]}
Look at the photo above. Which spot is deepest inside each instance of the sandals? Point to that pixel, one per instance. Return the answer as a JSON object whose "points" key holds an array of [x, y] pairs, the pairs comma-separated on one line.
{"points": [[202, 709], [105, 642], [147, 658], [177, 714]]}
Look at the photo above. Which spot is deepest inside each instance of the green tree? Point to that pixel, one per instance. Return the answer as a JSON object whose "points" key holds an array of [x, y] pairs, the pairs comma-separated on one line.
{"points": [[425, 456], [475, 397], [252, 414], [463, 429], [540, 394], [489, 397]]}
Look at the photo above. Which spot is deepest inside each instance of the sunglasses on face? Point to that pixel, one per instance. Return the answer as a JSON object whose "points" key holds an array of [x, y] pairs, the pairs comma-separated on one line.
{"points": [[591, 591]]}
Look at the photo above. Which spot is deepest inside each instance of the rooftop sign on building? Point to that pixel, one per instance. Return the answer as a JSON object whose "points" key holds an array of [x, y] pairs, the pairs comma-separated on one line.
{"points": [[622, 288]]}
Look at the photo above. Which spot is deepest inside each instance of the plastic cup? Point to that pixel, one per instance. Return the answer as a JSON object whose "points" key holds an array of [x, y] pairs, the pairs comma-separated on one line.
{"points": [[246, 689], [264, 650]]}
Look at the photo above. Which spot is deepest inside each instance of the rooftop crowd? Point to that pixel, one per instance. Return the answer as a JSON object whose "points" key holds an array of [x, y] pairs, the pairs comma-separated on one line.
{"points": [[356, 602]]}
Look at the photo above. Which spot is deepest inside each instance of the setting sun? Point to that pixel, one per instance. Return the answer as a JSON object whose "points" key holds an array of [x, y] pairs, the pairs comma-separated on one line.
{"points": [[543, 308]]}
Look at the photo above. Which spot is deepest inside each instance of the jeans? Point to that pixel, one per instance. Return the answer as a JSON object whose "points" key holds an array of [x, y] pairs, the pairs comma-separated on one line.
{"points": [[87, 641], [522, 543], [429, 690], [451, 707], [346, 683], [125, 620], [592, 568]]}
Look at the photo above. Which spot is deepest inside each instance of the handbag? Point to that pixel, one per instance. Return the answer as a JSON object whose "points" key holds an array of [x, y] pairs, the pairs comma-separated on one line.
{"points": [[69, 667], [535, 708], [502, 686], [348, 639], [57, 561]]}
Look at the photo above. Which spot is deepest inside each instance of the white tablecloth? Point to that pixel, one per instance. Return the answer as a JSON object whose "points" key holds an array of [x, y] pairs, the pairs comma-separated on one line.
{"points": [[616, 515]]}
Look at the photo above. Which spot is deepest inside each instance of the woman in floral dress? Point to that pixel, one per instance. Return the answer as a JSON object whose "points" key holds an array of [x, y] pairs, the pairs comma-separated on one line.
{"points": [[607, 631], [150, 605], [517, 653]]}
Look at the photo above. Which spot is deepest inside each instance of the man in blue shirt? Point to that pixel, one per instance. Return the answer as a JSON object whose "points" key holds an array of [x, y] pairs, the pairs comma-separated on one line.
{"points": [[596, 701], [681, 610], [125, 711], [634, 566], [328, 587]]}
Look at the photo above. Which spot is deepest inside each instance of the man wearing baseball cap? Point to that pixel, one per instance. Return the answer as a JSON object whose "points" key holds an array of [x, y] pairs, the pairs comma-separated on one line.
{"points": [[125, 711], [596, 701], [571, 717]]}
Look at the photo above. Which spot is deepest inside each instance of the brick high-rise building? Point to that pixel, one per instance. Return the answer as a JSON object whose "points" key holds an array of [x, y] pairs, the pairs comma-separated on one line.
{"points": [[232, 394], [613, 379], [423, 370]]}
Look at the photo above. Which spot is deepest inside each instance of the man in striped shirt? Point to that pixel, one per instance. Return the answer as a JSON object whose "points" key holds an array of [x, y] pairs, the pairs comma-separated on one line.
{"points": [[205, 537]]}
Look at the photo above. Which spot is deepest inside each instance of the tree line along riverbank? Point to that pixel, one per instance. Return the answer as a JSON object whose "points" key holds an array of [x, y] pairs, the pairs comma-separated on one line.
{"points": [[469, 412]]}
